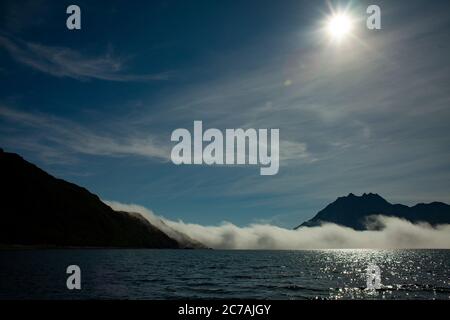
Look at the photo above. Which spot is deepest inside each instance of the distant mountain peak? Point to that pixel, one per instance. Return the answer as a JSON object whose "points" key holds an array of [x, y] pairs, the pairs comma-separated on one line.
{"points": [[364, 198], [370, 194], [364, 195], [353, 211]]}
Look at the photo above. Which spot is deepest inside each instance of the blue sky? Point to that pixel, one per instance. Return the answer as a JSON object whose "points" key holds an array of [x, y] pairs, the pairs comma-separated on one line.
{"points": [[97, 106]]}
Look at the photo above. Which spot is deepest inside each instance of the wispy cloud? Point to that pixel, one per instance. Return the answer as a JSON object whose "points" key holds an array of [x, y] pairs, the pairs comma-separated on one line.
{"points": [[351, 119], [395, 233], [365, 118], [55, 137], [65, 62]]}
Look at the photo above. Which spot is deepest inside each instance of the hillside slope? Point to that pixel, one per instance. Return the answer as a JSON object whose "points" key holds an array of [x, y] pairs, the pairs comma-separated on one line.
{"points": [[38, 209]]}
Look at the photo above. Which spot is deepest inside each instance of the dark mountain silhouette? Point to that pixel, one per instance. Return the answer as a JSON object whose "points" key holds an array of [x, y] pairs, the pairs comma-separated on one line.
{"points": [[40, 210], [353, 211]]}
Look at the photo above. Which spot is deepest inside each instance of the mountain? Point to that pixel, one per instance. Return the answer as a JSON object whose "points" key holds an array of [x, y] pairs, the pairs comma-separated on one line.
{"points": [[353, 211], [40, 210]]}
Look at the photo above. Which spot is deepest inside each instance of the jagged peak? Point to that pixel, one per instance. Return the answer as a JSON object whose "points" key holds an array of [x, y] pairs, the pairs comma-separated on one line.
{"points": [[364, 196], [371, 195], [351, 211]]}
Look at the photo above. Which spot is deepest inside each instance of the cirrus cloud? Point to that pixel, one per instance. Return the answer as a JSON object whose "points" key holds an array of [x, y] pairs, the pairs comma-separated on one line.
{"points": [[64, 62]]}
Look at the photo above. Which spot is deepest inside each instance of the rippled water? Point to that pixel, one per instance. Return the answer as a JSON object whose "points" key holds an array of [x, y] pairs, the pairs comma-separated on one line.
{"points": [[190, 274]]}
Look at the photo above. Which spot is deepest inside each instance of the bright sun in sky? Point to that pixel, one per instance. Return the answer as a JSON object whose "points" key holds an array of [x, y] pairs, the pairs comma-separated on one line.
{"points": [[339, 26]]}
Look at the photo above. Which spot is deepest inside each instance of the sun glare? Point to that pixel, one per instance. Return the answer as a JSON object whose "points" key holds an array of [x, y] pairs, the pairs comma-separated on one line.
{"points": [[339, 26]]}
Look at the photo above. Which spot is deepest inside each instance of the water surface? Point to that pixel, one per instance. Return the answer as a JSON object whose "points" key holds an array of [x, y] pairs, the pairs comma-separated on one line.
{"points": [[215, 274]]}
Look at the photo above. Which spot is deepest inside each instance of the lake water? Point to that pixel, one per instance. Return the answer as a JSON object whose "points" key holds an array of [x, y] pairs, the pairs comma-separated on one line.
{"points": [[215, 274]]}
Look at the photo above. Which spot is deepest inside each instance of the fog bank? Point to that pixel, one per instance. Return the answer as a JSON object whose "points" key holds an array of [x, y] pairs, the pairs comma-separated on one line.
{"points": [[394, 233]]}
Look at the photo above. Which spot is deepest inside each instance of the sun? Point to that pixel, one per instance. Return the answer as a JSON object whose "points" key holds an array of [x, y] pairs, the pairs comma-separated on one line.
{"points": [[339, 26]]}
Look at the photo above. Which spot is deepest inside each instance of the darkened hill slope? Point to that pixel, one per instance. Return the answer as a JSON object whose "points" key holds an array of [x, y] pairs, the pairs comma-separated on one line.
{"points": [[38, 209], [352, 211]]}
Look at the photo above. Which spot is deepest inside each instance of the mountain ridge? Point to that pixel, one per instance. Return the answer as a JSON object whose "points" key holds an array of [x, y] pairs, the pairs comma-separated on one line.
{"points": [[353, 211], [38, 209]]}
